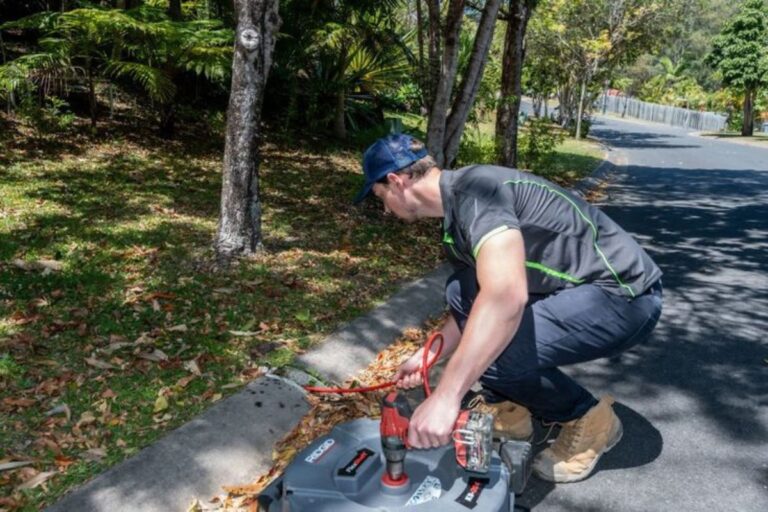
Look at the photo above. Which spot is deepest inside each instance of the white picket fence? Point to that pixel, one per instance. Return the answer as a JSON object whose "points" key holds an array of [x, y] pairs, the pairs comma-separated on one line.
{"points": [[631, 107]]}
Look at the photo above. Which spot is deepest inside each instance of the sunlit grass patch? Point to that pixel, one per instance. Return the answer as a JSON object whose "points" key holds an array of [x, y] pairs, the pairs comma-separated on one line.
{"points": [[130, 332]]}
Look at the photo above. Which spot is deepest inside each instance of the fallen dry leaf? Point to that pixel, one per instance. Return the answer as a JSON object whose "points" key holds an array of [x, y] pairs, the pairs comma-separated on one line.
{"points": [[156, 355], [36, 480], [244, 333], [6, 466], [97, 363], [192, 367], [86, 418], [184, 381], [21, 403], [63, 462], [60, 409], [161, 404], [94, 454], [115, 346], [49, 265], [178, 328]]}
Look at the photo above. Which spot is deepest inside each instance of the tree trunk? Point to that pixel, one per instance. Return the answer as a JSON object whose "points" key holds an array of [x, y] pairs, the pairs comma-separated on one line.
{"points": [[423, 80], [433, 13], [2, 49], [339, 121], [581, 108], [174, 10], [92, 105], [167, 120], [239, 231], [748, 123], [511, 75], [465, 99], [450, 62]]}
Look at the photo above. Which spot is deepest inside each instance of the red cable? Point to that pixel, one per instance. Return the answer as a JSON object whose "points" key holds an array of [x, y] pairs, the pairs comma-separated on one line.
{"points": [[424, 370]]}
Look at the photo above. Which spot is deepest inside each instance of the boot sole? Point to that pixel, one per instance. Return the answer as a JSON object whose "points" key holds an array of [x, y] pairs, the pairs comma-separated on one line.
{"points": [[584, 474]]}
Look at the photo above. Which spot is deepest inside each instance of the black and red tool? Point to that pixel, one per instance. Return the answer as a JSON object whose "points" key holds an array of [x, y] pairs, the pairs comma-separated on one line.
{"points": [[471, 438], [342, 471]]}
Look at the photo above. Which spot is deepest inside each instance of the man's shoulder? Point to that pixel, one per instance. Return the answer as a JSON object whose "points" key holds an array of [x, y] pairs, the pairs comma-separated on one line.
{"points": [[480, 178]]}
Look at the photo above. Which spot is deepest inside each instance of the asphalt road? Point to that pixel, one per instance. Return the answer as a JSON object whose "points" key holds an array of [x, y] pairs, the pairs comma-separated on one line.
{"points": [[694, 399]]}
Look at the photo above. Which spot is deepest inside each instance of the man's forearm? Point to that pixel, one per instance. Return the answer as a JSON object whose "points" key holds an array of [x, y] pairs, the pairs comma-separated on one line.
{"points": [[451, 337], [491, 325]]}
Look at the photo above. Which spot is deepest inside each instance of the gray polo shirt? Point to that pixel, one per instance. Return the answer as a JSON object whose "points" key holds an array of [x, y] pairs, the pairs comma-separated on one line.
{"points": [[568, 242]]}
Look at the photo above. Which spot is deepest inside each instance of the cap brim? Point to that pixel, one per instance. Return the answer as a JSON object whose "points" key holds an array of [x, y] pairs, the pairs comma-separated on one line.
{"points": [[364, 192]]}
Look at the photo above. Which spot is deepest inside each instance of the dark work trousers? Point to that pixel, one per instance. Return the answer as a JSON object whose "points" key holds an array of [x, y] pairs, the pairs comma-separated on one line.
{"points": [[571, 326]]}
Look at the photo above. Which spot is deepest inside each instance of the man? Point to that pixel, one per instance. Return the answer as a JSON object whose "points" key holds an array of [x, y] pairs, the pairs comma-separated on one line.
{"points": [[542, 280]]}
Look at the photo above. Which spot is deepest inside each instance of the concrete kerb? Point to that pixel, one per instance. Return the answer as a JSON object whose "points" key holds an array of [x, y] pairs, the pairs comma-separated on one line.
{"points": [[232, 441], [611, 158]]}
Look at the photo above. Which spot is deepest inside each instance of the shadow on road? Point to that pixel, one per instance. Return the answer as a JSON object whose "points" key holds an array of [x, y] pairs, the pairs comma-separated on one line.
{"points": [[702, 373], [637, 140]]}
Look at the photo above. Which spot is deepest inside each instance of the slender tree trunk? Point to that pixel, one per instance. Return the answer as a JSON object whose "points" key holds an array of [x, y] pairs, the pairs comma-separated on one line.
{"points": [[339, 121], [511, 75], [423, 80], [92, 95], [168, 120], [465, 99], [239, 230], [580, 108], [450, 62], [433, 13], [174, 10], [748, 123], [2, 48]]}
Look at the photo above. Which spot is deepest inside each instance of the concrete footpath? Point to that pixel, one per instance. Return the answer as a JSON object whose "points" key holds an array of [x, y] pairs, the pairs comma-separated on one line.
{"points": [[232, 441]]}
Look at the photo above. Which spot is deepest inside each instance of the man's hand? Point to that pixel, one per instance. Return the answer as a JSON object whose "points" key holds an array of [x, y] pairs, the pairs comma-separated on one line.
{"points": [[432, 423], [409, 375]]}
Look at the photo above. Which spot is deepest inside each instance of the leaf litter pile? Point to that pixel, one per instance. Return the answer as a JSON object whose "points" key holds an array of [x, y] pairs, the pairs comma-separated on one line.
{"points": [[327, 411]]}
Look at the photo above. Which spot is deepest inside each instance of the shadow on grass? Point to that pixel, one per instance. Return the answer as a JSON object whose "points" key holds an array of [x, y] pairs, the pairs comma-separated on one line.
{"points": [[133, 227]]}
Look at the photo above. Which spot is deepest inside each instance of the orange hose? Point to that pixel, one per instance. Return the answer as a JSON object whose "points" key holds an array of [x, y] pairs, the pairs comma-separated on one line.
{"points": [[425, 366]]}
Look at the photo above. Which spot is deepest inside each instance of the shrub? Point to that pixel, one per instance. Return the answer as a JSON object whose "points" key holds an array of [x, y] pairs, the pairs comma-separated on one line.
{"points": [[586, 123], [476, 148], [537, 141], [53, 115]]}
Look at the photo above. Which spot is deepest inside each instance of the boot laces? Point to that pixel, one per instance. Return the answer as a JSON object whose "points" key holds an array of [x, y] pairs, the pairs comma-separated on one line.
{"points": [[570, 437]]}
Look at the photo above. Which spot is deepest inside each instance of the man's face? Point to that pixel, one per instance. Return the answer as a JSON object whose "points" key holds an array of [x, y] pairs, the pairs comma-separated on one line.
{"points": [[394, 194]]}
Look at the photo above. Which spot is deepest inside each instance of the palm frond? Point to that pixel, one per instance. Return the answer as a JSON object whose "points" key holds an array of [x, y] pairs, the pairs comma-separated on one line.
{"points": [[154, 81], [43, 21]]}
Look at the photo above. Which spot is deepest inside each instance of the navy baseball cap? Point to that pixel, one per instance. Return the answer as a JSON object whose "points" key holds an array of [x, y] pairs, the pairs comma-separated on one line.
{"points": [[386, 155]]}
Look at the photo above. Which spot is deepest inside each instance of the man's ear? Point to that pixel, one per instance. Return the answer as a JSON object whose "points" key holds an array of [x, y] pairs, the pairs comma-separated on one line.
{"points": [[396, 180]]}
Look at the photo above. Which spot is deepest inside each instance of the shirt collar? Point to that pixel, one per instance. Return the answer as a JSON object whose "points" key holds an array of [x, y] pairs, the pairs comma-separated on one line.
{"points": [[447, 180]]}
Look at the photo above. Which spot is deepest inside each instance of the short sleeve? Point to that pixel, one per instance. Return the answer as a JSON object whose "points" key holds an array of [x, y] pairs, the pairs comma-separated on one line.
{"points": [[486, 210]]}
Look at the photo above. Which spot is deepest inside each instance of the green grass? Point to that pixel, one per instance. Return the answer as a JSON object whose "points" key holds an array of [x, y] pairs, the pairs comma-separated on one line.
{"points": [[759, 137], [129, 219], [131, 225], [571, 161]]}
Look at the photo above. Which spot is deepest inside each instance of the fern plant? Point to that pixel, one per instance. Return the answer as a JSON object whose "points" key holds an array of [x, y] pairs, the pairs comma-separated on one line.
{"points": [[141, 46]]}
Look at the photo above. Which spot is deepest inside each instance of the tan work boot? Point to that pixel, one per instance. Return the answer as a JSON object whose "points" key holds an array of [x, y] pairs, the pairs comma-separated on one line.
{"points": [[512, 421], [580, 444]]}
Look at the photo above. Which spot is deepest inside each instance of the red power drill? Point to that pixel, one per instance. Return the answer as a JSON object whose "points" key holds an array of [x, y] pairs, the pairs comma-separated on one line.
{"points": [[471, 437]]}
